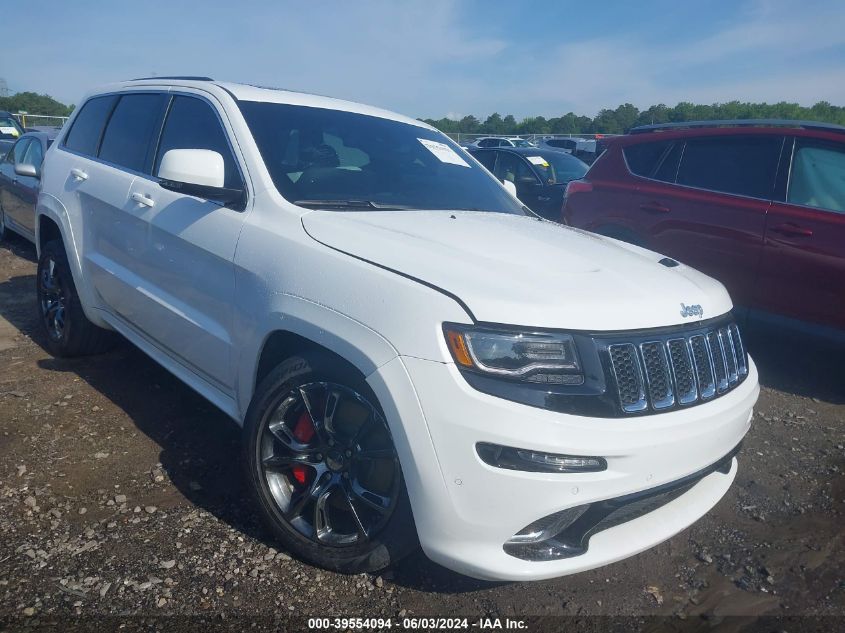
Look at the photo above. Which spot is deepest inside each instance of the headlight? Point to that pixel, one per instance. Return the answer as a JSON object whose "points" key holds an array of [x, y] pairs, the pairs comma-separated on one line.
{"points": [[525, 356]]}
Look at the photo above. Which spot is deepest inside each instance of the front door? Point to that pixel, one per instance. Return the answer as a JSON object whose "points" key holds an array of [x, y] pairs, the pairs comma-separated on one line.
{"points": [[188, 260]]}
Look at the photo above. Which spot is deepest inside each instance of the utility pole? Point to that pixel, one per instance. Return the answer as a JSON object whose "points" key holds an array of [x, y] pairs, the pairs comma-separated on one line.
{"points": [[4, 88]]}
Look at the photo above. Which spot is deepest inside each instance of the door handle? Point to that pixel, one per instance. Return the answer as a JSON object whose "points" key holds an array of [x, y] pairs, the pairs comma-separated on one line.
{"points": [[141, 199], [792, 229], [78, 174], [655, 207]]}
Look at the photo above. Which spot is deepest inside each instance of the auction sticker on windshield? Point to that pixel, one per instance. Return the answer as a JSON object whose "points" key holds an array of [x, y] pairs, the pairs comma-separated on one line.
{"points": [[538, 160], [12, 131], [445, 153]]}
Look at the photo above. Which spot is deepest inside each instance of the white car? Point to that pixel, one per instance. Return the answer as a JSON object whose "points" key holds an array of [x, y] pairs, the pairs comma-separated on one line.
{"points": [[501, 141], [413, 357]]}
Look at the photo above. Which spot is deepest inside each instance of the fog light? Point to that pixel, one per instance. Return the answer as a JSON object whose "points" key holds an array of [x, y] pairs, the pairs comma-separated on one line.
{"points": [[536, 461]]}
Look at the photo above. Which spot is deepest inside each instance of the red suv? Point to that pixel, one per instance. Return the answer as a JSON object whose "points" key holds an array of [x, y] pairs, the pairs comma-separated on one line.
{"points": [[759, 205]]}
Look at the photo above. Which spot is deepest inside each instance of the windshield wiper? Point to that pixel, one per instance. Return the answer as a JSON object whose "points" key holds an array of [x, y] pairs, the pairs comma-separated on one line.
{"points": [[351, 204]]}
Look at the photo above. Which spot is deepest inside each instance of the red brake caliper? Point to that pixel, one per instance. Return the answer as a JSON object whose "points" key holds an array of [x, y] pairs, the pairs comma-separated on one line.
{"points": [[303, 431]]}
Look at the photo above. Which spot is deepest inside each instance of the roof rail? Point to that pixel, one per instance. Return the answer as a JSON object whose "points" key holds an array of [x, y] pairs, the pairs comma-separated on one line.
{"points": [[810, 125], [182, 77]]}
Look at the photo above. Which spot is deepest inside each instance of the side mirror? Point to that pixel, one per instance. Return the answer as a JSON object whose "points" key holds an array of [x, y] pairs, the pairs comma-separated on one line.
{"points": [[510, 187], [23, 169], [196, 172]]}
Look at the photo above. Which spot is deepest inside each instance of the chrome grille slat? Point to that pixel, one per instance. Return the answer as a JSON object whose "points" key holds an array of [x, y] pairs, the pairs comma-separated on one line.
{"points": [[680, 358], [629, 377], [703, 367], [730, 355], [717, 353], [736, 340], [662, 372], [657, 374]]}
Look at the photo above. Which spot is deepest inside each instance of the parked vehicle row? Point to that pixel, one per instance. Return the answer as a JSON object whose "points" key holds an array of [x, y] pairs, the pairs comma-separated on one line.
{"points": [[499, 141], [413, 357], [539, 176], [760, 205], [10, 131]]}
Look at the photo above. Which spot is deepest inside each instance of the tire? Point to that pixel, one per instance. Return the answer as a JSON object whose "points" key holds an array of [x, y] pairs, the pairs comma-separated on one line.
{"points": [[314, 485], [69, 332], [2, 223]]}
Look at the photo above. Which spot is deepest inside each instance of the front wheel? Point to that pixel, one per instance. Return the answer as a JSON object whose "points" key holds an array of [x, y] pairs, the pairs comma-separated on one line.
{"points": [[323, 467]]}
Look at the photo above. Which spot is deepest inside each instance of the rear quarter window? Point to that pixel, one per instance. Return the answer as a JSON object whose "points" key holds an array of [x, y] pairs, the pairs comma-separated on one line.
{"points": [[643, 158], [741, 165], [84, 135], [818, 175]]}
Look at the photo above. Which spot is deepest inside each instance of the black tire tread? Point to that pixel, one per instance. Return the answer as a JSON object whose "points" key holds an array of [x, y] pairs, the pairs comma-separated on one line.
{"points": [[84, 338]]}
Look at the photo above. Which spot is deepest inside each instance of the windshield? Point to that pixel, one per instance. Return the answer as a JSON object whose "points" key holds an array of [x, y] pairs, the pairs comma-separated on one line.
{"points": [[335, 159], [521, 142], [9, 128], [558, 167]]}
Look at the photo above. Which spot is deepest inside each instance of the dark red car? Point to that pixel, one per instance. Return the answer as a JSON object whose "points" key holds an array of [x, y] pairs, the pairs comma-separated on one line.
{"points": [[759, 205]]}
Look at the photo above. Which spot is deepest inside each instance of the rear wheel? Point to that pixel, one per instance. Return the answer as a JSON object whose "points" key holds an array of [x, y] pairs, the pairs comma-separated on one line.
{"points": [[69, 332], [324, 469]]}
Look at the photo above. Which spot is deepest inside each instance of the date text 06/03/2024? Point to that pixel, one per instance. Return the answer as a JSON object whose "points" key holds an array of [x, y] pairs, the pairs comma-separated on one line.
{"points": [[416, 623]]}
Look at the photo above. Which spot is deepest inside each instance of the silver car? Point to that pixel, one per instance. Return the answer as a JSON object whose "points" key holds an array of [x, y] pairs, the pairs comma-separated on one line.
{"points": [[20, 180]]}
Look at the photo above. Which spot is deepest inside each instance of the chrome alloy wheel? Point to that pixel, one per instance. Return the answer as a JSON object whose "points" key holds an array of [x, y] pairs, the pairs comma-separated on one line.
{"points": [[330, 464], [53, 300]]}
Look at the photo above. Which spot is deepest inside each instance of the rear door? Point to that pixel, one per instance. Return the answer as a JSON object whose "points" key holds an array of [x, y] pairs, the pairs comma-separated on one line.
{"points": [[802, 273], [187, 265], [515, 168], [713, 217], [115, 224]]}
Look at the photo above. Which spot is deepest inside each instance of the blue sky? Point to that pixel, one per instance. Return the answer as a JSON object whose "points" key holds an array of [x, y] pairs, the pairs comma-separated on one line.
{"points": [[432, 58]]}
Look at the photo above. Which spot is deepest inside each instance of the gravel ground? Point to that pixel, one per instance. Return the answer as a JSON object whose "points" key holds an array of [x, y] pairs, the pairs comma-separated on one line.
{"points": [[120, 496]]}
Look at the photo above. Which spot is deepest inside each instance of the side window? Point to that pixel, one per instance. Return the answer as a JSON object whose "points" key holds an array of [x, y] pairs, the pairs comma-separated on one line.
{"points": [[488, 159], [512, 167], [818, 175], [741, 165], [192, 124], [87, 128], [19, 151], [487, 142], [129, 133], [643, 158], [34, 154], [667, 167]]}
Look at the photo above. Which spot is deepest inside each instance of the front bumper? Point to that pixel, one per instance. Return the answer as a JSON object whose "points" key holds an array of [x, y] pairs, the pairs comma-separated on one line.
{"points": [[465, 510]]}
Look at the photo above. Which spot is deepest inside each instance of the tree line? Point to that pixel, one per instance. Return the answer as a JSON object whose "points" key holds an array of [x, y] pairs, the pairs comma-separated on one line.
{"points": [[34, 103], [626, 116]]}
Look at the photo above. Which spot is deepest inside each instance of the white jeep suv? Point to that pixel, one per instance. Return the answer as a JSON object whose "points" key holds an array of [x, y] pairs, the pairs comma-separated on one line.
{"points": [[413, 356]]}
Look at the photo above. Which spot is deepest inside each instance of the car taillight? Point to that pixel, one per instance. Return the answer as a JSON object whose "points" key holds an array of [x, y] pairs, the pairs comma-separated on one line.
{"points": [[577, 186], [573, 187]]}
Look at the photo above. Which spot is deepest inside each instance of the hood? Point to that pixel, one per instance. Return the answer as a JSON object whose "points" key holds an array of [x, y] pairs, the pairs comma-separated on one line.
{"points": [[523, 271]]}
